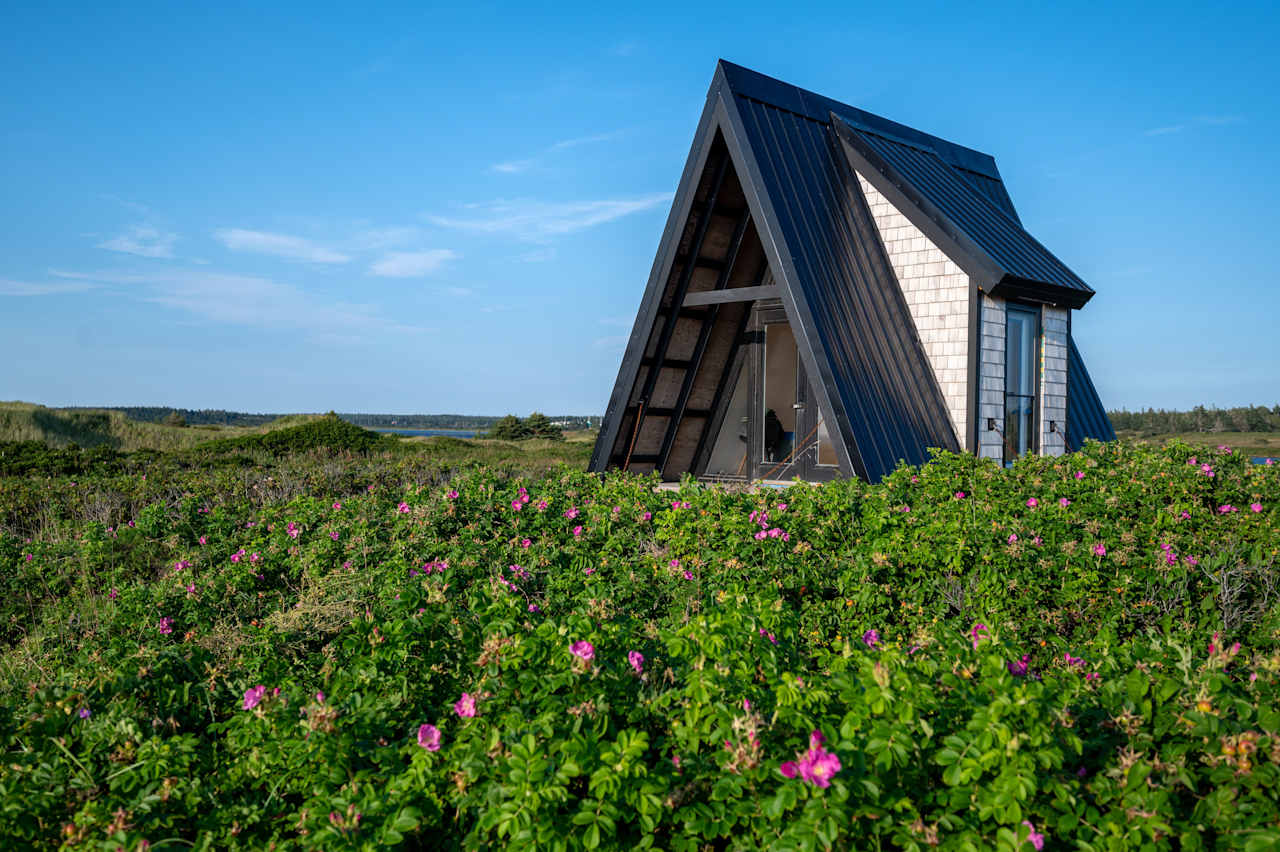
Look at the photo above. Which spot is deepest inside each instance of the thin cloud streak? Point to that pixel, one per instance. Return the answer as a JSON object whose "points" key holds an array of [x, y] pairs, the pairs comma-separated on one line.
{"points": [[9, 287], [538, 221], [412, 264], [585, 140], [278, 245], [253, 301], [142, 240]]}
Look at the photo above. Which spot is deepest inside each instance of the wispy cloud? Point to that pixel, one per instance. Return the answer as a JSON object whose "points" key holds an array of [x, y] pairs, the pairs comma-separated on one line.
{"points": [[585, 140], [411, 264], [381, 239], [9, 287], [142, 240], [1199, 120], [536, 221], [517, 166], [253, 301], [279, 245], [512, 167]]}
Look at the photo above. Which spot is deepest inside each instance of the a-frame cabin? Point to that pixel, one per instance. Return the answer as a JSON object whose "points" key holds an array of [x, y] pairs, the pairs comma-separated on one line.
{"points": [[835, 292]]}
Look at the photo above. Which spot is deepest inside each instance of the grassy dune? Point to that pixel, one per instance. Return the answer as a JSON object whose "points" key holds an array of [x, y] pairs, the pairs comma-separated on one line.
{"points": [[24, 421]]}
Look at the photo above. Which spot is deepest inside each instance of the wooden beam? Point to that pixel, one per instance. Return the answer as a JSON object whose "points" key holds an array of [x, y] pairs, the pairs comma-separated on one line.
{"points": [[704, 337], [734, 294]]}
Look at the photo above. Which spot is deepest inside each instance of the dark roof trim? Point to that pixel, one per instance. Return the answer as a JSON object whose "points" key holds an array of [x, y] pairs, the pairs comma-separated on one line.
{"points": [[990, 275], [776, 93]]}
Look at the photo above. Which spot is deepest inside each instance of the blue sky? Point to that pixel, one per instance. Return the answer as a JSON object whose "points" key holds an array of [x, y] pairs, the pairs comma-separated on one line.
{"points": [[421, 208]]}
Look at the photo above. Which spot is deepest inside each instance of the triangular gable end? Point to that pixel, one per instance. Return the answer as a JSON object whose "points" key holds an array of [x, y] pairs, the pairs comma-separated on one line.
{"points": [[814, 236]]}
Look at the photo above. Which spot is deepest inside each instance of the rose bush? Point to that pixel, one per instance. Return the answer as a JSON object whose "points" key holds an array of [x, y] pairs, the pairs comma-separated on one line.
{"points": [[1077, 652]]}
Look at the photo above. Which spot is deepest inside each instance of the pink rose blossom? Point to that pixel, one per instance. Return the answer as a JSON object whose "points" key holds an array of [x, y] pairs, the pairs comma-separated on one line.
{"points": [[465, 706], [253, 695], [1099, 549], [1255, 507], [636, 659], [429, 737], [1032, 502], [583, 649]]}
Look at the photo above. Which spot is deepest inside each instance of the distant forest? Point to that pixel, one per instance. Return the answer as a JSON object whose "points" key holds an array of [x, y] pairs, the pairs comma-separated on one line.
{"points": [[219, 417], [1249, 418]]}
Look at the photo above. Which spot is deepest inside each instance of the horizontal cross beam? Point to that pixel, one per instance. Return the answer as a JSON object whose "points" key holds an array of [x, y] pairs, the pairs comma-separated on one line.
{"points": [[733, 294]]}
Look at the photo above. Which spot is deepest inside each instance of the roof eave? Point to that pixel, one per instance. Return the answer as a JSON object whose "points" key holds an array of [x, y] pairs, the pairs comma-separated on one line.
{"points": [[1022, 289]]}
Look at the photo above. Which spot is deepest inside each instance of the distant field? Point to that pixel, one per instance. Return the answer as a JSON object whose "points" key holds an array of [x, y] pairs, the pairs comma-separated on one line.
{"points": [[1249, 443]]}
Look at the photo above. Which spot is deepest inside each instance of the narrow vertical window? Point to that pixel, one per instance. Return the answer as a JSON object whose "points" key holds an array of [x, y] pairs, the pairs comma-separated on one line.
{"points": [[1021, 338]]}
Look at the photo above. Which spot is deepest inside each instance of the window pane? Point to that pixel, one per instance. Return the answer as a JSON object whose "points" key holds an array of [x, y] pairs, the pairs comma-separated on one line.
{"points": [[781, 363], [826, 450]]}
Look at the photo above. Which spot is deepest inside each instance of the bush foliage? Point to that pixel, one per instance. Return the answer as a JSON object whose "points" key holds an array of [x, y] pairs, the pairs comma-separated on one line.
{"points": [[959, 656]]}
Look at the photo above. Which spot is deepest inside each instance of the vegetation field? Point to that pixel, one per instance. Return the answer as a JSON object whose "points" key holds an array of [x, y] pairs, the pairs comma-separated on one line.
{"points": [[1253, 444], [331, 640]]}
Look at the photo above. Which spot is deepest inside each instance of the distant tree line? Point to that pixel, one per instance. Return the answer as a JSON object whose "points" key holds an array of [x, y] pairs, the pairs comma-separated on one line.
{"points": [[219, 417], [1158, 421]]}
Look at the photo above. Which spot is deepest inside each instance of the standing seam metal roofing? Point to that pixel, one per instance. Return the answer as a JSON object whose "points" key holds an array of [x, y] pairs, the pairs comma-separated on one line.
{"points": [[882, 379], [1002, 238]]}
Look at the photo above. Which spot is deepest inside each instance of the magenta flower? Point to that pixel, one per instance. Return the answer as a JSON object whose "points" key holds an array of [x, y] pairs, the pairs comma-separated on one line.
{"points": [[465, 706], [534, 608], [583, 649], [403, 508], [337, 506], [674, 563], [871, 638], [525, 543], [165, 626], [1018, 668], [1064, 502], [817, 766], [113, 594], [688, 575], [333, 535], [516, 505], [1226, 508], [1079, 474], [429, 737], [959, 495], [1032, 502], [1255, 507], [571, 512], [452, 495], [1206, 470], [577, 532], [976, 633], [1013, 537], [253, 696], [1099, 549], [204, 539], [1034, 837], [646, 516], [238, 555], [636, 659], [85, 712], [319, 697], [1072, 661]]}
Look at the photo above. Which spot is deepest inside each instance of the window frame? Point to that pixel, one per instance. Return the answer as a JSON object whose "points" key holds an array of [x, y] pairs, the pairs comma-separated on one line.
{"points": [[1033, 444]]}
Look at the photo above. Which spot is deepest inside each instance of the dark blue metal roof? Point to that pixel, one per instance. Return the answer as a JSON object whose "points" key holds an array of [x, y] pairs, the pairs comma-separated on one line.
{"points": [[889, 406], [952, 193], [1086, 418]]}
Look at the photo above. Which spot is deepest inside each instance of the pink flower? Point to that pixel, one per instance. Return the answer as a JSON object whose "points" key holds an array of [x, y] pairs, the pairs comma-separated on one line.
{"points": [[255, 559], [465, 706], [319, 697], [253, 695], [646, 516], [674, 563], [976, 633], [1037, 541], [542, 505], [1064, 502], [1079, 474], [688, 575], [816, 766], [1099, 549], [238, 555], [871, 638], [403, 508], [1013, 537], [452, 495], [1226, 508], [525, 543], [429, 737], [337, 506], [85, 713], [577, 532], [294, 530], [333, 535], [113, 594], [204, 539], [1032, 502], [1255, 507], [571, 512], [636, 659], [534, 608], [1034, 837], [1092, 676], [782, 507], [165, 625], [1072, 661], [1206, 470], [1018, 668], [959, 495], [516, 505], [583, 649]]}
